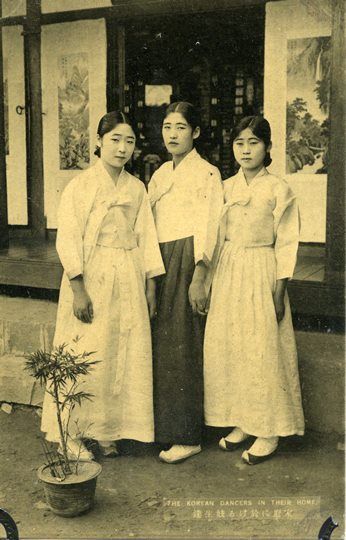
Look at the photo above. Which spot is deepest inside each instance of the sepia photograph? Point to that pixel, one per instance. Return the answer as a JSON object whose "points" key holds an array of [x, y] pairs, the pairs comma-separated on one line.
{"points": [[172, 269]]}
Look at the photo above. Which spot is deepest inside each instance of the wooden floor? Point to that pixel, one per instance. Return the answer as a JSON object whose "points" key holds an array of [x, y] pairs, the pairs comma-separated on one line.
{"points": [[309, 269], [30, 264], [36, 264]]}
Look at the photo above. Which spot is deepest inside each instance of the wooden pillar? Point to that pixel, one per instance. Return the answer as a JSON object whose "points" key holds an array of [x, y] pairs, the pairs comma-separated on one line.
{"points": [[4, 238], [33, 89], [121, 65], [111, 82], [335, 263], [115, 65]]}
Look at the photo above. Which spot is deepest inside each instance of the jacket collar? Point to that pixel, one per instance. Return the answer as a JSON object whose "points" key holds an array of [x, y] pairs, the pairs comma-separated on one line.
{"points": [[241, 176], [105, 179], [186, 161]]}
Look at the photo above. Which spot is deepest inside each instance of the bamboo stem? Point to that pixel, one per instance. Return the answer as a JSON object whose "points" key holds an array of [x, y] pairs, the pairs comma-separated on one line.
{"points": [[62, 438]]}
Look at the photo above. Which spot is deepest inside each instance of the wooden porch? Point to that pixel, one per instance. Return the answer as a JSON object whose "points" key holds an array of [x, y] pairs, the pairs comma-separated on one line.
{"points": [[29, 263]]}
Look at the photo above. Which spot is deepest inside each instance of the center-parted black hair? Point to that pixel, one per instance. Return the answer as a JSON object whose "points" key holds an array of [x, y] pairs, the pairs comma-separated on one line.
{"points": [[187, 110], [108, 122], [260, 127]]}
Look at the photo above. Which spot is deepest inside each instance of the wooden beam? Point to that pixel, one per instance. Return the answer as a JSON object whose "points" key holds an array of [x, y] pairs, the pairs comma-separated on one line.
{"points": [[4, 235], [76, 15], [335, 260], [112, 66], [121, 65], [33, 88], [115, 65], [12, 21], [125, 9]]}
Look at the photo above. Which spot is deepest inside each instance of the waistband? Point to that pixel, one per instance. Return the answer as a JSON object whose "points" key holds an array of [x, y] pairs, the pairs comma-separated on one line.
{"points": [[248, 246], [117, 241]]}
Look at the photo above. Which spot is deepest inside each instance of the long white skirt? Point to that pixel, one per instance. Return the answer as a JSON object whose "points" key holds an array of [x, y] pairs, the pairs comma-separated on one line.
{"points": [[122, 406], [250, 362]]}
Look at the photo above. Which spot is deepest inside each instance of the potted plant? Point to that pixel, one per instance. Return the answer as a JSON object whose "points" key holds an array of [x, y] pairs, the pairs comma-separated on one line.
{"points": [[69, 485]]}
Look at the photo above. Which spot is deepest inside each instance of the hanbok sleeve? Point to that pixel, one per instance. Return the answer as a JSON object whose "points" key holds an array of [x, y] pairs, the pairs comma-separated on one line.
{"points": [[286, 229], [69, 241], [208, 213], [147, 239]]}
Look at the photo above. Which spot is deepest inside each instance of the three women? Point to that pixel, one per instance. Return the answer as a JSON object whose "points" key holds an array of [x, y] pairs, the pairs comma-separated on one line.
{"points": [[109, 249]]}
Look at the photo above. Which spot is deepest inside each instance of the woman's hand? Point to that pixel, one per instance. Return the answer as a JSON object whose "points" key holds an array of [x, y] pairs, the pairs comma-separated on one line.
{"points": [[82, 307], [197, 294], [198, 297], [82, 304], [150, 293], [279, 299]]}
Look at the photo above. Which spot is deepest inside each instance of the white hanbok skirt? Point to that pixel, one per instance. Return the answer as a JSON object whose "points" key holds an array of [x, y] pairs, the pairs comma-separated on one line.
{"points": [[250, 361], [122, 406]]}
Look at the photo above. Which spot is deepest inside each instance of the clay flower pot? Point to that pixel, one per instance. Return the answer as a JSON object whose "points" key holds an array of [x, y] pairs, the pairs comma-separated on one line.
{"points": [[73, 496], [69, 486]]}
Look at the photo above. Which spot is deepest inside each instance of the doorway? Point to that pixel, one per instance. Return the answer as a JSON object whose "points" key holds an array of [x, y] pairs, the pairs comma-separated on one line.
{"points": [[212, 60]]}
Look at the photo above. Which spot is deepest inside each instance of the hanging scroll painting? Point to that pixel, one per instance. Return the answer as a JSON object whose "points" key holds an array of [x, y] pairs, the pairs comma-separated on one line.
{"points": [[308, 96], [73, 96]]}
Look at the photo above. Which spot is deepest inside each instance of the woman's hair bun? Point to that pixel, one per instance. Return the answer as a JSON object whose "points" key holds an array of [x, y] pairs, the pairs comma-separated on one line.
{"points": [[267, 160]]}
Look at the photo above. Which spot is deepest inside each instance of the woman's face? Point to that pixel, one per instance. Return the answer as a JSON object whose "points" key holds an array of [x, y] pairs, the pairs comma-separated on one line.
{"points": [[178, 135], [117, 145], [249, 151]]}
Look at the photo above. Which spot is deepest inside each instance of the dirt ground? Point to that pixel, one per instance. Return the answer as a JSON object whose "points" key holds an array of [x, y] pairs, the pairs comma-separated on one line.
{"points": [[212, 495]]}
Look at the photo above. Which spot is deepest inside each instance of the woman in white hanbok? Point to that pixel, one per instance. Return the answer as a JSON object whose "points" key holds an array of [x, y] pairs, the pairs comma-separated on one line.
{"points": [[108, 247], [250, 359]]}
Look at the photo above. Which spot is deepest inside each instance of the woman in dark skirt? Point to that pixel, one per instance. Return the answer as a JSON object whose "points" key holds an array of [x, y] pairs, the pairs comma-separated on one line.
{"points": [[186, 197]]}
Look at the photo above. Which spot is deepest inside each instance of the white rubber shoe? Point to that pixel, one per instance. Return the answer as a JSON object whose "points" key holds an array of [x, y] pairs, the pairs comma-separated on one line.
{"points": [[233, 440], [108, 448], [261, 450], [178, 453]]}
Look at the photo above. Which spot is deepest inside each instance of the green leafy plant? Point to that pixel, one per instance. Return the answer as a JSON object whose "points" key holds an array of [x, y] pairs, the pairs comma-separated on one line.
{"points": [[59, 371]]}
